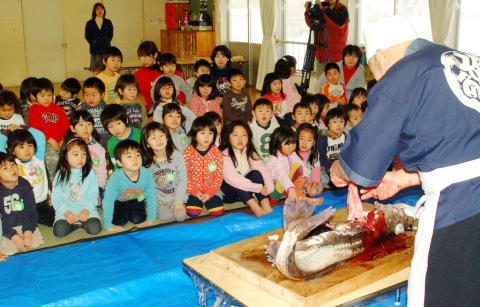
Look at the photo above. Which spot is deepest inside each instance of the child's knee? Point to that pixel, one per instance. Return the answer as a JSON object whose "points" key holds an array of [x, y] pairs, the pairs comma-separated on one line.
{"points": [[193, 210], [61, 228], [216, 211], [93, 226]]}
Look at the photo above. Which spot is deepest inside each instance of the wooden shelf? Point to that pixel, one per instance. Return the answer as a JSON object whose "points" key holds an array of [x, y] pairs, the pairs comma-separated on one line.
{"points": [[187, 44]]}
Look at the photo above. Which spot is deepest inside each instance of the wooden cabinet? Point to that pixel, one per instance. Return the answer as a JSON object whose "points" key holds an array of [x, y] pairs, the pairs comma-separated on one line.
{"points": [[187, 44]]}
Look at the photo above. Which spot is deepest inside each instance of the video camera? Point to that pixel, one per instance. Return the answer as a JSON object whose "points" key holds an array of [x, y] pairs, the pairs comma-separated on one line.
{"points": [[315, 11]]}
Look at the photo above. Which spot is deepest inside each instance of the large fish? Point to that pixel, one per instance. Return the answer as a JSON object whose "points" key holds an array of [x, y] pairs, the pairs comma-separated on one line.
{"points": [[331, 246]]}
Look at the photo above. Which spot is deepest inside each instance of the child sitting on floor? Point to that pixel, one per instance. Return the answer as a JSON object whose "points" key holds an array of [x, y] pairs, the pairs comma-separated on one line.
{"points": [[28, 146], [354, 114], [26, 98], [333, 89], [169, 171], [129, 190], [222, 60], [332, 142], [236, 102], [289, 173], [201, 67], [114, 118], [112, 59], [243, 171], [75, 191], [164, 93], [323, 107], [204, 100], [301, 114], [168, 64], [263, 125], [127, 89], [217, 119], [359, 97], [8, 105], [68, 99], [19, 217], [285, 68], [204, 169], [272, 90], [307, 150]]}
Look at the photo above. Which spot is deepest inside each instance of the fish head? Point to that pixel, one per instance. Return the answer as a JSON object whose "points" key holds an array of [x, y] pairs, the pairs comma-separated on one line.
{"points": [[395, 218]]}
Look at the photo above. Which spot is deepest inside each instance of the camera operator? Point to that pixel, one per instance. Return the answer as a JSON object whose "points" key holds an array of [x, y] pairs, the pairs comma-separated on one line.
{"points": [[336, 18]]}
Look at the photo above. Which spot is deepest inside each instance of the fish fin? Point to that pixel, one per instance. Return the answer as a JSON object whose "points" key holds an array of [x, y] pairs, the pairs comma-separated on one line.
{"points": [[316, 220], [323, 272], [271, 250], [292, 211]]}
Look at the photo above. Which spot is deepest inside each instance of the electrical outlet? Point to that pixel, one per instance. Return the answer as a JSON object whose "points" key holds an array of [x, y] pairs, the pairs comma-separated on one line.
{"points": [[151, 20], [155, 20]]}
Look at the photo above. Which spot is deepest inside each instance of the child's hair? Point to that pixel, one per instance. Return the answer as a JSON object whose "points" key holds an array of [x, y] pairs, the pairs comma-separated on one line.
{"points": [[282, 67], [311, 99], [233, 73], [26, 88], [147, 152], [322, 101], [331, 65], [352, 50], [71, 85], [171, 108], [124, 81], [280, 135], [334, 113], [20, 137], [167, 58], [147, 48], [301, 105], [1, 87], [161, 82], [262, 102], [86, 117], [356, 92], [112, 52], [8, 98], [214, 116], [112, 113], [314, 152], [5, 157], [269, 79], [223, 50], [200, 124], [225, 141], [123, 147], [63, 167], [200, 63], [348, 108], [206, 80], [370, 84], [94, 13], [40, 85], [94, 82]]}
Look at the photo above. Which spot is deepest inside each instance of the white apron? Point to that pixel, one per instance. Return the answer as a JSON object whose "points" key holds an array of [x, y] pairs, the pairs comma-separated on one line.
{"points": [[432, 183]]}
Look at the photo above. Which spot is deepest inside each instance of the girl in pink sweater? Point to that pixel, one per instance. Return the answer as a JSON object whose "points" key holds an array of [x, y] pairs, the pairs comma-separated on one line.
{"points": [[285, 68], [307, 149], [243, 171], [287, 168]]}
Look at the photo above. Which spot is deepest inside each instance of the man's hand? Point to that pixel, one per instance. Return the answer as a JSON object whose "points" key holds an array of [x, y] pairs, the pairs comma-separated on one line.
{"points": [[391, 183], [338, 176]]}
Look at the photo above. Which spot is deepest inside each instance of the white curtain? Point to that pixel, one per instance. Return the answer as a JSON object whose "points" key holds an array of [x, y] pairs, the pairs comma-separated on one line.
{"points": [[268, 54], [442, 17]]}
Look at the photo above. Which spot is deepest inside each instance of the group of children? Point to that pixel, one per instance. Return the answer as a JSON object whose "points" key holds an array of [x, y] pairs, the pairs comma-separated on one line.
{"points": [[200, 143]]}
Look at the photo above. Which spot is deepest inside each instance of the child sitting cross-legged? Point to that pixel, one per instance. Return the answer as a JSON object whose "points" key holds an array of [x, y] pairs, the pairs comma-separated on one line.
{"points": [[8, 105], [236, 102], [289, 173], [127, 89], [204, 169], [178, 120], [333, 89], [75, 191], [201, 67], [68, 99], [353, 114], [301, 113], [263, 125], [204, 99], [164, 93], [332, 142], [243, 171], [112, 59], [19, 217], [168, 64], [169, 171], [28, 146], [217, 119], [129, 190], [114, 118]]}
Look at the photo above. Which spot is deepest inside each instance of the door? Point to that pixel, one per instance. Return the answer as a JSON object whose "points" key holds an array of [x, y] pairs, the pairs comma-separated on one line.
{"points": [[43, 30], [77, 50]]}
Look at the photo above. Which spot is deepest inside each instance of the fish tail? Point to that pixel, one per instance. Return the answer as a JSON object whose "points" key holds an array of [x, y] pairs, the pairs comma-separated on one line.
{"points": [[271, 250], [293, 211]]}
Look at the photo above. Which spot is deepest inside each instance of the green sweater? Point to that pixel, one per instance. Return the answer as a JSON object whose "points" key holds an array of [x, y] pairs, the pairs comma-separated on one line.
{"points": [[135, 134]]}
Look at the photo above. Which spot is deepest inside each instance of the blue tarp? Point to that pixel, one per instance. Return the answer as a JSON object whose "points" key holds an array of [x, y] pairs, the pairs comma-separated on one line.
{"points": [[141, 268]]}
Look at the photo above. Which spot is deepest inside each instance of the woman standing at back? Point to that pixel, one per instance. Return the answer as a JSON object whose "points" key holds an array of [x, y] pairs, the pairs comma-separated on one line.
{"points": [[99, 34]]}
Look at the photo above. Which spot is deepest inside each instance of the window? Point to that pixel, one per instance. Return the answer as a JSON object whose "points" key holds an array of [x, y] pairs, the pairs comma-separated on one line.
{"points": [[370, 11], [469, 23], [238, 21], [418, 12]]}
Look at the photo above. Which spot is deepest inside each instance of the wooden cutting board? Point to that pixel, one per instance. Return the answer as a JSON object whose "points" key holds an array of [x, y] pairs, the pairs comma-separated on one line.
{"points": [[247, 260]]}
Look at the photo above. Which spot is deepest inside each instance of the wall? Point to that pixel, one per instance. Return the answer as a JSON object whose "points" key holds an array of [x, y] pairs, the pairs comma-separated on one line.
{"points": [[153, 9]]}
